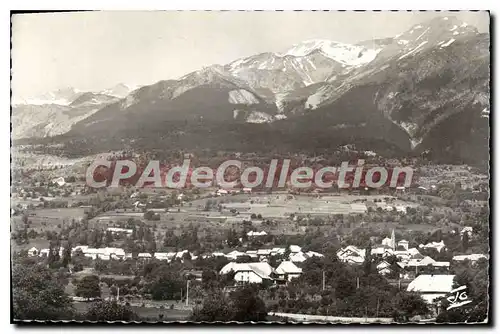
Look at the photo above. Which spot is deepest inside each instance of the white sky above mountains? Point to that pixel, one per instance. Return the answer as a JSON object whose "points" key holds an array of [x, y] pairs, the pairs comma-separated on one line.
{"points": [[96, 50]]}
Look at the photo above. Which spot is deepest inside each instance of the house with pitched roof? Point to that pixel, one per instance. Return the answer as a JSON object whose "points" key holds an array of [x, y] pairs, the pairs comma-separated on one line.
{"points": [[288, 270], [432, 287], [253, 272]]}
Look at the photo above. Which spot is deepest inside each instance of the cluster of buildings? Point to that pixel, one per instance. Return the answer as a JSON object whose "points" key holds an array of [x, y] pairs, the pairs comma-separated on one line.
{"points": [[259, 272], [408, 258], [263, 255], [111, 253]]}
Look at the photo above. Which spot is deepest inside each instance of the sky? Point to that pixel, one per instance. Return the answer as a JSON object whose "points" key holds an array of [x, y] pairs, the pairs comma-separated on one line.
{"points": [[96, 50]]}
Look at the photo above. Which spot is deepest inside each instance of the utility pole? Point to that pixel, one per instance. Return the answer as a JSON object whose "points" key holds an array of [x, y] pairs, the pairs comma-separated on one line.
{"points": [[377, 307], [118, 294], [323, 280], [187, 292], [357, 282]]}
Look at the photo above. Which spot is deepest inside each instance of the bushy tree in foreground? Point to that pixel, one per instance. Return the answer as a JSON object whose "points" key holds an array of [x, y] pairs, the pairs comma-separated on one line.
{"points": [[242, 305], [88, 287], [37, 295], [110, 311]]}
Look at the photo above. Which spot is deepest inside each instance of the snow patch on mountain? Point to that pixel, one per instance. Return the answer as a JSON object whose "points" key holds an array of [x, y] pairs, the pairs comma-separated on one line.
{"points": [[279, 101], [347, 54], [259, 117], [128, 101], [241, 96], [315, 99], [413, 50], [447, 43]]}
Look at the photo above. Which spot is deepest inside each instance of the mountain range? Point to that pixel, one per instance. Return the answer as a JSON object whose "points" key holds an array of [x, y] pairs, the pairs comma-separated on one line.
{"points": [[425, 90], [54, 113]]}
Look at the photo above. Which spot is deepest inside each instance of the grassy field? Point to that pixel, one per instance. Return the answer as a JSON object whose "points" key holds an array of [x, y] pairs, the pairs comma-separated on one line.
{"points": [[151, 313]]}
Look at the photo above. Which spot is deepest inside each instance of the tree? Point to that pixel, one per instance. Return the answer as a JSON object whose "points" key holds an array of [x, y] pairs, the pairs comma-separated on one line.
{"points": [[232, 238], [165, 285], [243, 305], [110, 311], [66, 255], [465, 241], [367, 265], [36, 294], [148, 215], [109, 238], [409, 305], [53, 255], [476, 280], [214, 308], [247, 305], [170, 239], [208, 276], [88, 287]]}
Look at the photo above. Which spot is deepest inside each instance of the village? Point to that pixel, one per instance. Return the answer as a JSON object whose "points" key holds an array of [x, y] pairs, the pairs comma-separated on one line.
{"points": [[157, 249]]}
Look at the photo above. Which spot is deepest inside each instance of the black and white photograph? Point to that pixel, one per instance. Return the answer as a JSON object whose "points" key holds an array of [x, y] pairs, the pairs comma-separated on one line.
{"points": [[320, 167]]}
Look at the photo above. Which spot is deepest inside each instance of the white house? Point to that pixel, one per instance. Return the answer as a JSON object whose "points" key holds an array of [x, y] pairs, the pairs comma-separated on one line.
{"points": [[471, 257], [424, 262], [44, 252], [314, 254], [144, 256], [217, 254], [351, 254], [431, 287], [439, 246], [106, 253], [382, 251], [33, 251], [256, 234], [222, 192], [297, 257], [255, 272], [404, 243], [278, 251], [263, 252], [288, 269], [383, 265], [180, 255], [234, 255], [117, 230], [59, 181], [468, 230], [162, 256]]}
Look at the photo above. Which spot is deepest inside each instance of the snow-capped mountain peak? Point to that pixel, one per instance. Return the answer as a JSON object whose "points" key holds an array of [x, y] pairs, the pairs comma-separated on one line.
{"points": [[302, 65], [438, 31], [66, 96], [63, 96], [119, 90], [347, 54]]}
